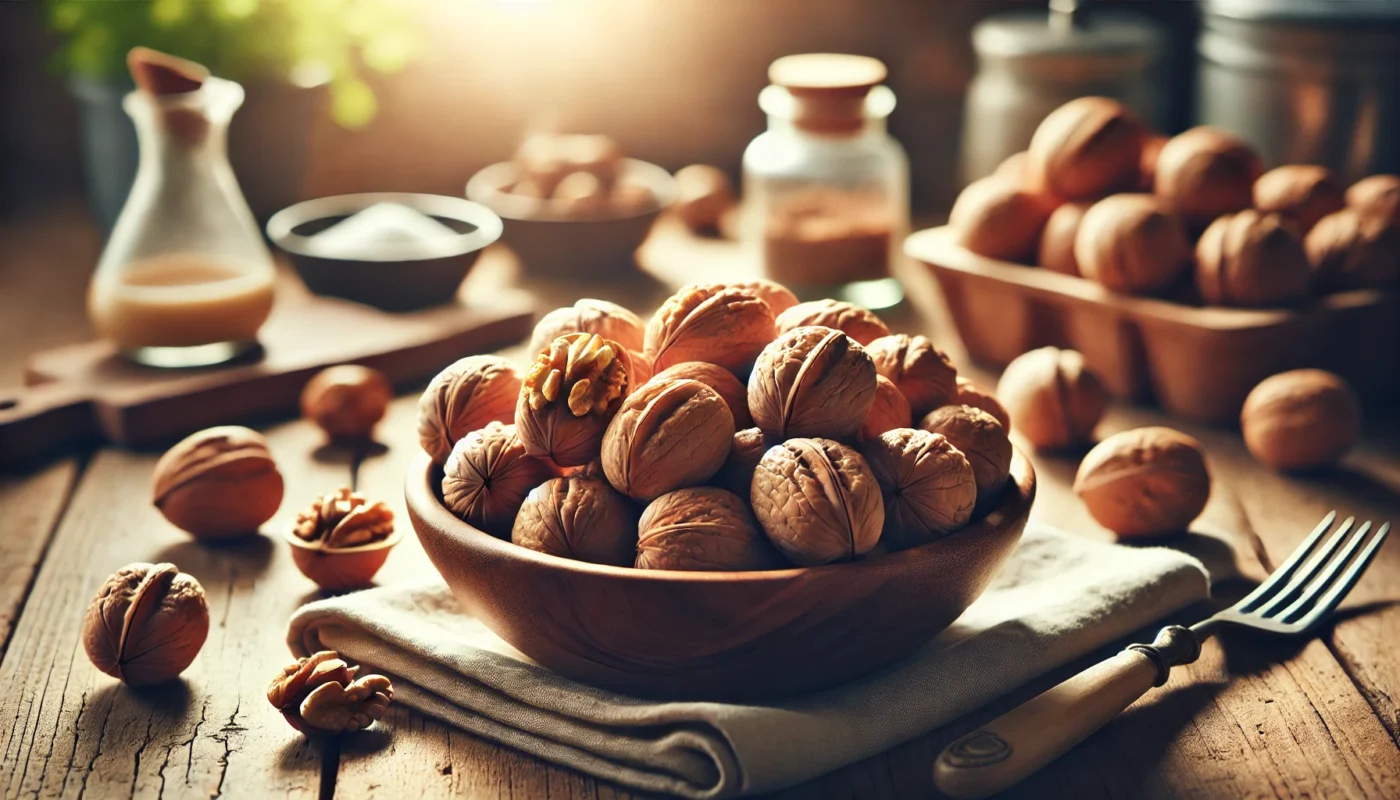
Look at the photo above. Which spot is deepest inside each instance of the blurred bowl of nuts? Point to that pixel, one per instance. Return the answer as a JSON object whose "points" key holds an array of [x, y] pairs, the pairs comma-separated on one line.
{"points": [[642, 524], [573, 205]]}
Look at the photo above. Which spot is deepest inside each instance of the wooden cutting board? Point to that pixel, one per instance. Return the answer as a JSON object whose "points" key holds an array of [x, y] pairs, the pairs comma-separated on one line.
{"points": [[86, 392]]}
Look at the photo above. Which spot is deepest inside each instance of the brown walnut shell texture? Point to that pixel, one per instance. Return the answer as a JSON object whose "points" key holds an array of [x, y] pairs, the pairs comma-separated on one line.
{"points": [[1252, 260], [578, 518], [705, 529], [322, 693], [709, 322], [1348, 250], [218, 482], [1128, 243], [998, 218], [569, 396], [1053, 398], [747, 450], [1144, 482], [464, 397], [1377, 196], [1057, 242], [889, 411], [1300, 193], [970, 394], [734, 392], [982, 440], [856, 322], [146, 624], [487, 477], [1204, 173], [1085, 149], [817, 501], [347, 401], [927, 486], [668, 435], [778, 297], [923, 373], [609, 320], [1299, 420], [812, 382]]}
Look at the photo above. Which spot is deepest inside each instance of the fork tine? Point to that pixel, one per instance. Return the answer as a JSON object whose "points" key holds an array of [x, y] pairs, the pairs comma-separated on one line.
{"points": [[1285, 570], [1315, 566], [1341, 588], [1324, 581]]}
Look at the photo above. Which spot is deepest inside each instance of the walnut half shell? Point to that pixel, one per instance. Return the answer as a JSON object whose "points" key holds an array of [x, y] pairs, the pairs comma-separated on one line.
{"points": [[817, 501], [568, 397], [323, 693]]}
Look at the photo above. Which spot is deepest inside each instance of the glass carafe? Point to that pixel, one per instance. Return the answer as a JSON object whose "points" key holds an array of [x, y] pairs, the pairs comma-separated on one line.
{"points": [[185, 279]]}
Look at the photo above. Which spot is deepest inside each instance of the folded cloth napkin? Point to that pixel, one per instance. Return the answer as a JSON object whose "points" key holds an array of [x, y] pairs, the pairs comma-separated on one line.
{"points": [[1058, 598]]}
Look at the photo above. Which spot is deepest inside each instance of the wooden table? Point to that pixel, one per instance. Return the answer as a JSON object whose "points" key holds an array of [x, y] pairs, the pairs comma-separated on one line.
{"points": [[1254, 717]]}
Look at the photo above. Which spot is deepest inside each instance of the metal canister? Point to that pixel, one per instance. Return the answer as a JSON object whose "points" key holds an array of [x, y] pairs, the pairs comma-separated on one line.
{"points": [[1305, 81]]}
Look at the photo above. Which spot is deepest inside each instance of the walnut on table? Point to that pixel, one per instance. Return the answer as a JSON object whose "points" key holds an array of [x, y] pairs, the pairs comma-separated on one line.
{"points": [[321, 693]]}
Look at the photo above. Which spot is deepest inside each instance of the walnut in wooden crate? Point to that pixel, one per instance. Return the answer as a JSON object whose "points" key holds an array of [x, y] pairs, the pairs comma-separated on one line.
{"points": [[812, 382], [323, 694], [703, 194], [1144, 482], [702, 528], [1206, 172], [1085, 149], [923, 373], [709, 322], [1053, 398], [1377, 196], [747, 449], [817, 501], [668, 435], [1251, 259], [1057, 242], [342, 539], [999, 218], [146, 624], [984, 442], [735, 394], [609, 320], [889, 411], [778, 297], [347, 401], [1350, 250], [1130, 244], [927, 486], [568, 397], [1300, 193], [487, 477], [1147, 164], [1299, 420], [218, 483], [858, 323], [464, 397], [580, 518], [970, 394]]}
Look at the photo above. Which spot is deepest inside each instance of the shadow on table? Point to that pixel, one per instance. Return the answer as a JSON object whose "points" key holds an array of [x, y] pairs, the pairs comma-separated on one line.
{"points": [[246, 555]]}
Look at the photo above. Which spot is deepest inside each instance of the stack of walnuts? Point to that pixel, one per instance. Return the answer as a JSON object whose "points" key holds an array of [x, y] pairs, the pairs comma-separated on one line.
{"points": [[737, 430]]}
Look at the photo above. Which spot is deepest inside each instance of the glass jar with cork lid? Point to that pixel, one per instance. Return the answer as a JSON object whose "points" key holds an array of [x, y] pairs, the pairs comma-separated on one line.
{"points": [[826, 187]]}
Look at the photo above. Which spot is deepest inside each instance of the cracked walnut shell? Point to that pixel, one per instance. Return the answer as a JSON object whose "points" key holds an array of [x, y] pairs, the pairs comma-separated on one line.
{"points": [[609, 320], [487, 477], [1251, 259], [982, 440], [217, 483], [1144, 482], [810, 382], [709, 322], [1302, 419], [1053, 398], [667, 435], [146, 624], [735, 394], [856, 322], [1085, 149], [342, 540], [569, 396], [705, 529], [579, 518], [464, 397], [926, 484], [923, 373], [322, 693], [347, 401], [817, 501]]}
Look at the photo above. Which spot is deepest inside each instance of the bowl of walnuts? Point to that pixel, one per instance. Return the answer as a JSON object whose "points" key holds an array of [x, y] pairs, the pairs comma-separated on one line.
{"points": [[743, 498]]}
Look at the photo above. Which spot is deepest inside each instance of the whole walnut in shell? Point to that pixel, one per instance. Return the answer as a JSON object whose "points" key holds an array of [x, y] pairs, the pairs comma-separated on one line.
{"points": [[856, 322], [1144, 482], [747, 449], [970, 394], [809, 382], [1300, 193], [1300, 420], [609, 320], [667, 435], [1129, 244], [323, 693], [998, 218], [1053, 398], [1085, 149], [1348, 250], [712, 323], [569, 396], [218, 482], [347, 401], [1253, 260], [578, 518], [1206, 172], [735, 394], [923, 373], [702, 528], [889, 411], [1057, 243], [928, 487], [464, 397], [982, 439], [1013, 167], [1377, 196], [817, 501], [778, 297], [703, 194], [146, 624], [487, 477]]}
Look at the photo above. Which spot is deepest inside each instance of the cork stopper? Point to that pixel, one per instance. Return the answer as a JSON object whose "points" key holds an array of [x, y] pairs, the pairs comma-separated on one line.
{"points": [[828, 89], [162, 74]]}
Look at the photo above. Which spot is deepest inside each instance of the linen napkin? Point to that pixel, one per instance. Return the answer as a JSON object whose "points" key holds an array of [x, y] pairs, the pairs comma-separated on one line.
{"points": [[1058, 598]]}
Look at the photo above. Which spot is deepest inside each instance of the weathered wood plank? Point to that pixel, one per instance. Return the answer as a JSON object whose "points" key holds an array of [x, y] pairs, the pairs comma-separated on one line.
{"points": [[30, 505]]}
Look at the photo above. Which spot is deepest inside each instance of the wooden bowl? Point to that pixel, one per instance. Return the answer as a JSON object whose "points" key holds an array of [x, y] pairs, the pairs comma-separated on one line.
{"points": [[716, 636]]}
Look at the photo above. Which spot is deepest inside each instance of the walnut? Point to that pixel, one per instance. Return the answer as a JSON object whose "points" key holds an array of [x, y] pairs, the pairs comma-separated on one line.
{"points": [[997, 218], [927, 486], [1351, 251], [704, 529], [852, 320], [923, 373], [1204, 173], [1377, 196], [1057, 242], [1300, 193], [579, 518], [341, 540], [1129, 244], [323, 693], [1144, 482], [1054, 399], [146, 624], [667, 435], [970, 394], [709, 322], [735, 394], [217, 483], [817, 501], [889, 411], [984, 442], [568, 397], [464, 397], [1085, 149], [747, 449], [347, 401], [812, 381], [703, 194], [1251, 259], [778, 297], [487, 477], [609, 320], [1013, 167], [1300, 420]]}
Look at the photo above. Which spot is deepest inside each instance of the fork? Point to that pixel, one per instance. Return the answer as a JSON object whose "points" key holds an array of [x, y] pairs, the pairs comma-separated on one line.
{"points": [[1291, 601]]}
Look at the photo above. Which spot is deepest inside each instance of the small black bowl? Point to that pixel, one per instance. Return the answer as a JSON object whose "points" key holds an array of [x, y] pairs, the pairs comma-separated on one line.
{"points": [[394, 276]]}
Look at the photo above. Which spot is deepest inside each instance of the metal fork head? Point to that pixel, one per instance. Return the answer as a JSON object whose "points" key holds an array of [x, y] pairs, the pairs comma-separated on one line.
{"points": [[1310, 584]]}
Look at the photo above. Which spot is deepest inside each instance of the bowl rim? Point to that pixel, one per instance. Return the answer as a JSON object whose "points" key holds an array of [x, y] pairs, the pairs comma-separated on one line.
{"points": [[488, 226], [485, 188], [424, 504]]}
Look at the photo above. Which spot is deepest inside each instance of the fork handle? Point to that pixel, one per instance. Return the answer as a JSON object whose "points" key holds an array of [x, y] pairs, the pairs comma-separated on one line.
{"points": [[1033, 734]]}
